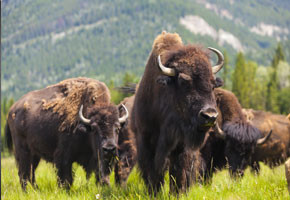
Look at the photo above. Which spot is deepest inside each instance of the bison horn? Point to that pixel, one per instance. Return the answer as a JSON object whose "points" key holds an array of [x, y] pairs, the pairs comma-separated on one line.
{"points": [[219, 132], [124, 118], [220, 62], [165, 70], [83, 119], [264, 139]]}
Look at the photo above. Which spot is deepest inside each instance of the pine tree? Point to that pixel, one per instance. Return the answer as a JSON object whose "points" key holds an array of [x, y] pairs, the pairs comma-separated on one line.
{"points": [[239, 85], [273, 86], [251, 88], [225, 70]]}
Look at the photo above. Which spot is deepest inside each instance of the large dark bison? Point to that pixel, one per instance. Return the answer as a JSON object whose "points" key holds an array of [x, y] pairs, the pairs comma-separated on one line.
{"points": [[277, 149], [231, 145], [174, 108], [72, 121], [127, 153]]}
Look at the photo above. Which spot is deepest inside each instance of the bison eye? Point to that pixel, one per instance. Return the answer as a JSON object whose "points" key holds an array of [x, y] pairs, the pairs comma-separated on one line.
{"points": [[184, 80], [218, 82], [94, 126]]}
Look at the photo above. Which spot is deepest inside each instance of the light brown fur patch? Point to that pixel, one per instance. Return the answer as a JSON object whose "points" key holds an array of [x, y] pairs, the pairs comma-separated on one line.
{"points": [[13, 116], [165, 41], [68, 102], [26, 105], [248, 114]]}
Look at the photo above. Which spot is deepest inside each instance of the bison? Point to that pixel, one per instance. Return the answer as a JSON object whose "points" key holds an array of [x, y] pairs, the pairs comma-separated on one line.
{"points": [[231, 145], [277, 149], [127, 153], [72, 121], [174, 108]]}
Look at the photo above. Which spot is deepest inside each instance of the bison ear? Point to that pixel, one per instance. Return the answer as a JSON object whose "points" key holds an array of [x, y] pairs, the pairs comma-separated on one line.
{"points": [[164, 80], [218, 82]]}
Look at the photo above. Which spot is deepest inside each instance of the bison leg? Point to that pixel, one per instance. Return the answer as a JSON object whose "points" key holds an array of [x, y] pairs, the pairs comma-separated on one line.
{"points": [[63, 165], [166, 144], [122, 169], [255, 168], [180, 172], [34, 163], [64, 173], [23, 161], [151, 178]]}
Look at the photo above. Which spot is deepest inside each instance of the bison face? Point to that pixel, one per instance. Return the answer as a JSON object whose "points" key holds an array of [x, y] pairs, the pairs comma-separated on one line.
{"points": [[103, 124], [241, 141], [188, 76], [238, 156]]}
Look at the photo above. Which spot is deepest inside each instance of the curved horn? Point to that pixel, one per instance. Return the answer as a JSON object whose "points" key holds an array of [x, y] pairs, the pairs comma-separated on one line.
{"points": [[124, 118], [83, 119], [219, 132], [264, 139], [165, 70], [220, 62]]}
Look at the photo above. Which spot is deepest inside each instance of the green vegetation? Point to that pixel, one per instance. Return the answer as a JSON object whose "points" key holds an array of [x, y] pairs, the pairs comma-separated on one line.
{"points": [[5, 105], [271, 184], [263, 88], [44, 43]]}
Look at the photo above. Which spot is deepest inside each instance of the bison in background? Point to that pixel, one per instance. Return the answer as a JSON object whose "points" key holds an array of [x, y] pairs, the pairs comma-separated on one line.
{"points": [[50, 124], [277, 149], [173, 110], [127, 153], [231, 146]]}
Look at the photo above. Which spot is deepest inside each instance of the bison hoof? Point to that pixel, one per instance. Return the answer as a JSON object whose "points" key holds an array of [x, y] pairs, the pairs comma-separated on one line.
{"points": [[105, 181]]}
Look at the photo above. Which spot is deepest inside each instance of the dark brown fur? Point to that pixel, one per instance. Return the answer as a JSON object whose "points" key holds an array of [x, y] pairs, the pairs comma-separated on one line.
{"points": [[36, 133], [277, 149], [237, 147], [127, 153], [165, 112]]}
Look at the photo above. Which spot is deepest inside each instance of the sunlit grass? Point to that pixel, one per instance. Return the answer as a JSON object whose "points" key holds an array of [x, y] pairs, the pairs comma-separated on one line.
{"points": [[270, 184]]}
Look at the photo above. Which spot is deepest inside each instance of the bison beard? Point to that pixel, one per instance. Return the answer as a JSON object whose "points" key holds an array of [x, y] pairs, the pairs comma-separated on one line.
{"points": [[174, 108]]}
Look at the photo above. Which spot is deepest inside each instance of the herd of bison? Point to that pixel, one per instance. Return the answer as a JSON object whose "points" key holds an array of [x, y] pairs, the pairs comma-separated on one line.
{"points": [[178, 119]]}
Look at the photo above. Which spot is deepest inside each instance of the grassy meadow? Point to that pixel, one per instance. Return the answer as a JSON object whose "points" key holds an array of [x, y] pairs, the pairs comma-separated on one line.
{"points": [[271, 184]]}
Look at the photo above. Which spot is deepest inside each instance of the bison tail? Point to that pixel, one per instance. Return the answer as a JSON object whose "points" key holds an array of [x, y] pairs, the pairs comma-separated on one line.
{"points": [[8, 138]]}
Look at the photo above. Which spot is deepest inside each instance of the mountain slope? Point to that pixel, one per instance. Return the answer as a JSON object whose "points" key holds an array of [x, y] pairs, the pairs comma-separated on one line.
{"points": [[44, 42]]}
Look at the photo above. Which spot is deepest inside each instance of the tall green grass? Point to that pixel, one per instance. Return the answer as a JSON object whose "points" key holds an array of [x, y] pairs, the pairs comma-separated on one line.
{"points": [[270, 184]]}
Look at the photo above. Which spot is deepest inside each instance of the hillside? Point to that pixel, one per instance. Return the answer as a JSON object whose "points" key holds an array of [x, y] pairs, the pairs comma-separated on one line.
{"points": [[44, 42]]}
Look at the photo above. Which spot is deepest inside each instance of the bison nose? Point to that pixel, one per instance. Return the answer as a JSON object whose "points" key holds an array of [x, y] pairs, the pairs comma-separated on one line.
{"points": [[208, 116], [110, 148]]}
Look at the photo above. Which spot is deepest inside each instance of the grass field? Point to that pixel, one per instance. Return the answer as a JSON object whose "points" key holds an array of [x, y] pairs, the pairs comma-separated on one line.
{"points": [[271, 184]]}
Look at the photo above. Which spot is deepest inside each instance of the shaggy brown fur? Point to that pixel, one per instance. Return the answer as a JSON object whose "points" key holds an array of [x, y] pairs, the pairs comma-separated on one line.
{"points": [[277, 149], [165, 112], [73, 93], [236, 147], [34, 122], [127, 153]]}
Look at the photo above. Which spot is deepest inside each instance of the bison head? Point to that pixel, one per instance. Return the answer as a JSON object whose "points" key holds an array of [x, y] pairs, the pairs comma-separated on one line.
{"points": [[103, 124], [240, 143], [189, 77]]}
